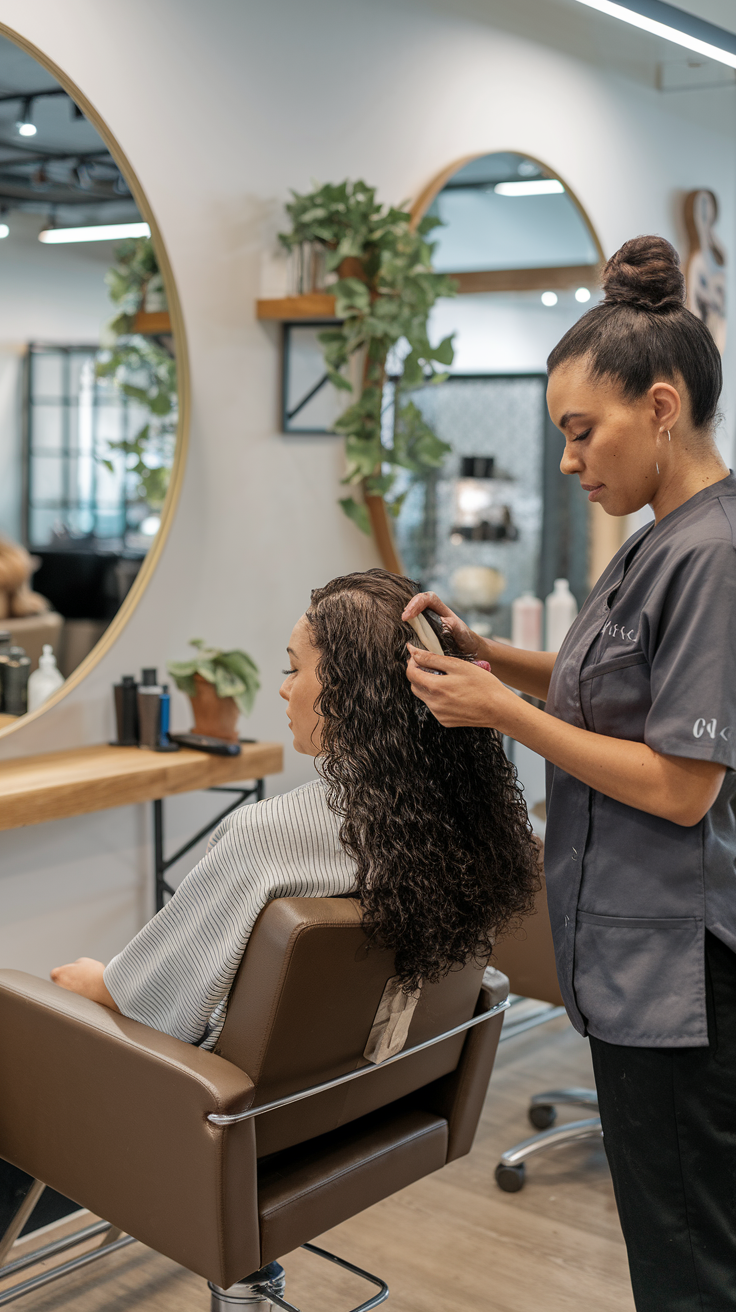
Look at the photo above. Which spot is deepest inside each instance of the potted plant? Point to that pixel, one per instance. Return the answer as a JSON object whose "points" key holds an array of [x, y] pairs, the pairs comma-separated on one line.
{"points": [[384, 291], [220, 684]]}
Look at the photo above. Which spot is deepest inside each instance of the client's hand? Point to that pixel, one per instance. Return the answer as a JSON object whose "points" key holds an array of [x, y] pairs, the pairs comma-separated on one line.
{"points": [[466, 640], [85, 976], [466, 696]]}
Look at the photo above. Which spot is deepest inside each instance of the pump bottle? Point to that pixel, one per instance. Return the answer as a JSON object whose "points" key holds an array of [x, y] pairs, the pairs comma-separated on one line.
{"points": [[560, 611]]}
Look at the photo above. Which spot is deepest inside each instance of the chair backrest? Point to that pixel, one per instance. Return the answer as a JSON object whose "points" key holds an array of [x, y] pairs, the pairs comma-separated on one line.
{"points": [[301, 1010]]}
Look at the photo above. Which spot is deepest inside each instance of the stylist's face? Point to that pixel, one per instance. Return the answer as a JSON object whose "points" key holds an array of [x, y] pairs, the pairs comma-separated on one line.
{"points": [[614, 445], [300, 690]]}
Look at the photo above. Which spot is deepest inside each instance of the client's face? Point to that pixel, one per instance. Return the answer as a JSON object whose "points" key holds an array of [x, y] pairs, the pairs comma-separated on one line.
{"points": [[300, 690]]}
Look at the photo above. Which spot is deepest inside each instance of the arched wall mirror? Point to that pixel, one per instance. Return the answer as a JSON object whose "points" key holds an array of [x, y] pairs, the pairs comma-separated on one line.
{"points": [[93, 382], [498, 518]]}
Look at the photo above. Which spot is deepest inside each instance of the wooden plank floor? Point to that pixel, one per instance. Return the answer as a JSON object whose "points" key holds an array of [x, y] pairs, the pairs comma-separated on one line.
{"points": [[449, 1242]]}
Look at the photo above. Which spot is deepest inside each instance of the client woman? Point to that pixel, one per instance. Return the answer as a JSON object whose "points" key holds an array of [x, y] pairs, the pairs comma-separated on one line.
{"points": [[425, 826]]}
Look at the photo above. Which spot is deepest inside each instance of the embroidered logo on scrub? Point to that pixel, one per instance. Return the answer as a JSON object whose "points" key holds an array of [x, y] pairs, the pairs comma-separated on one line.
{"points": [[710, 727], [619, 631]]}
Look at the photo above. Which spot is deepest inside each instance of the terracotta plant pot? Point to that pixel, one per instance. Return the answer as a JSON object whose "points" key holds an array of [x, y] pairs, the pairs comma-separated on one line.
{"points": [[216, 717]]}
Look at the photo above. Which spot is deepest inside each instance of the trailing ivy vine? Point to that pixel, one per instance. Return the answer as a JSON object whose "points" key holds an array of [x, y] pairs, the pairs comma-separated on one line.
{"points": [[384, 290], [142, 369]]}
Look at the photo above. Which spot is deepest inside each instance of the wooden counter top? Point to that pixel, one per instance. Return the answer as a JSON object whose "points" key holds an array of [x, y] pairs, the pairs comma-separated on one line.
{"points": [[59, 784]]}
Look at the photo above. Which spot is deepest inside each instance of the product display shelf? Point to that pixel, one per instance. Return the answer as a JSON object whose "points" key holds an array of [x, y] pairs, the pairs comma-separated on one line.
{"points": [[54, 785]]}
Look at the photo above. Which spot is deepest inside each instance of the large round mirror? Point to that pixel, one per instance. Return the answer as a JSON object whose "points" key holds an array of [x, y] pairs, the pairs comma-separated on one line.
{"points": [[497, 518], [90, 378]]}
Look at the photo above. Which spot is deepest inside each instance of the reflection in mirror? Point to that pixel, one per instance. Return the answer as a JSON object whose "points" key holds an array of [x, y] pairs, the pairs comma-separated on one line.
{"points": [[88, 401], [498, 519]]}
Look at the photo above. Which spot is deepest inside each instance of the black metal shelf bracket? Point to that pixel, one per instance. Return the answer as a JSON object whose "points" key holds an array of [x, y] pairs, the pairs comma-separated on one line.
{"points": [[162, 864]]}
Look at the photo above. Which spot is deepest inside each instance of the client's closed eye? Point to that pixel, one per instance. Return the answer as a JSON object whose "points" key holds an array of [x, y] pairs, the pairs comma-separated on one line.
{"points": [[288, 671]]}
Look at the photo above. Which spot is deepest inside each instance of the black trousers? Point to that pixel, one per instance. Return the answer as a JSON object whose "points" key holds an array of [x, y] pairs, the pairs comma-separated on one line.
{"points": [[669, 1127]]}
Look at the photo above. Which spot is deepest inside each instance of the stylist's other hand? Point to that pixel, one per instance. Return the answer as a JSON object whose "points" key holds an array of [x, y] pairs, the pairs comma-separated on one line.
{"points": [[466, 696], [466, 640], [84, 976]]}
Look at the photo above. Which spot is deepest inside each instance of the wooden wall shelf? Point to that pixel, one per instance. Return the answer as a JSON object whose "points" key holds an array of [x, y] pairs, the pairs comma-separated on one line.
{"points": [[319, 305], [528, 280], [290, 309], [150, 325], [59, 784]]}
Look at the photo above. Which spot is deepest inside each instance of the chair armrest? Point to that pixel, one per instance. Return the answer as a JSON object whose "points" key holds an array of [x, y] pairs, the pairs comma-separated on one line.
{"points": [[114, 1114]]}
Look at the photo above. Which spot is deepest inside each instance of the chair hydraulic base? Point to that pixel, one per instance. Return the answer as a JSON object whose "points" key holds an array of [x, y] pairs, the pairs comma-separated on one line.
{"points": [[267, 1286], [511, 1171], [264, 1287]]}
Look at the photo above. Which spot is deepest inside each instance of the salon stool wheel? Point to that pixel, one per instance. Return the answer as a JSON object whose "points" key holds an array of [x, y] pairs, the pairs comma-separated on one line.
{"points": [[510, 1178], [542, 1116]]}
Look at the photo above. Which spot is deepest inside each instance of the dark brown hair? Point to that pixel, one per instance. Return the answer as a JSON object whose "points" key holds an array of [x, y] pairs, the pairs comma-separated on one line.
{"points": [[434, 817], [642, 331]]}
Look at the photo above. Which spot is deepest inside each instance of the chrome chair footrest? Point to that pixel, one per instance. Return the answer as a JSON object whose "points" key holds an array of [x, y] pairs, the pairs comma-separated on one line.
{"points": [[266, 1287]]}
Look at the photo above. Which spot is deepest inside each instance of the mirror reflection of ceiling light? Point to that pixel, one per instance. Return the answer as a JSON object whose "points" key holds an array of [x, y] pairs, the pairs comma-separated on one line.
{"points": [[535, 187], [150, 526], [101, 232], [582, 294], [671, 22], [25, 125], [4, 230], [549, 298]]}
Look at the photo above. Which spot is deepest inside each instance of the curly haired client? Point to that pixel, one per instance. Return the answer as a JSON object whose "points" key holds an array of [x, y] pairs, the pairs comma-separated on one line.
{"points": [[426, 826]]}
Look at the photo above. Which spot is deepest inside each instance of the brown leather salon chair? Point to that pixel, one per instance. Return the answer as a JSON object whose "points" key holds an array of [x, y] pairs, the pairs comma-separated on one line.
{"points": [[225, 1161], [528, 959]]}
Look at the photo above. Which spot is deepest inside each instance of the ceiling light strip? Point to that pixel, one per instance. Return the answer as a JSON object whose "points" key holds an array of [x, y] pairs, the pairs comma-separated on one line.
{"points": [[100, 232], [674, 25]]}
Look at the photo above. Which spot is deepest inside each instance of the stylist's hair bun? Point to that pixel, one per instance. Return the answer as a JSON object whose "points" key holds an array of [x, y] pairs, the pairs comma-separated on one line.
{"points": [[645, 274]]}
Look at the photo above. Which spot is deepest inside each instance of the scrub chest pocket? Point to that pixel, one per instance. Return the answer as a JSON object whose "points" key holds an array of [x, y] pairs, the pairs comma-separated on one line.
{"points": [[616, 696]]}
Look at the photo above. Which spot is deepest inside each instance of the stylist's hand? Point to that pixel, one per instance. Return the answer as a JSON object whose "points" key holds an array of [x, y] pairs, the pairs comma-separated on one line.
{"points": [[467, 695], [85, 976], [466, 640]]}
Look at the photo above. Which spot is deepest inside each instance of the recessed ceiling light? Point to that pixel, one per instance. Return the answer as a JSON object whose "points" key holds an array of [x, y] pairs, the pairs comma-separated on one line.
{"points": [[538, 187], [549, 298], [675, 25], [101, 232], [582, 294]]}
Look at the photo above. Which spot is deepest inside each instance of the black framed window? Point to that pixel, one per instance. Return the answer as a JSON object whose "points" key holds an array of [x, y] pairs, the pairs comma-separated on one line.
{"points": [[77, 486]]}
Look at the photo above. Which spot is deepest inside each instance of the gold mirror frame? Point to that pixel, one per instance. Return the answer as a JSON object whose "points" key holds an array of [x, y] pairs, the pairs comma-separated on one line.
{"points": [[143, 578], [604, 533]]}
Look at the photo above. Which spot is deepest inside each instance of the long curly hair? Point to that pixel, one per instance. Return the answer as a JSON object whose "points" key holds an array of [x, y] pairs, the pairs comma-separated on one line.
{"points": [[434, 817]]}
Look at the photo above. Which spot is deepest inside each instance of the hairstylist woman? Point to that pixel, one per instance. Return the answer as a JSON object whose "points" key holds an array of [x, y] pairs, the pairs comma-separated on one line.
{"points": [[639, 733]]}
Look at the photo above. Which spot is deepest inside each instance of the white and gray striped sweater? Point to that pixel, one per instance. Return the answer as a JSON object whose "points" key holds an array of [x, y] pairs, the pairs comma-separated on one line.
{"points": [[178, 971]]}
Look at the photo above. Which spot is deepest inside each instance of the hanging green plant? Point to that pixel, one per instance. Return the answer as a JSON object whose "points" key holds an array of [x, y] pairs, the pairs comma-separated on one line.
{"points": [[142, 369], [384, 291]]}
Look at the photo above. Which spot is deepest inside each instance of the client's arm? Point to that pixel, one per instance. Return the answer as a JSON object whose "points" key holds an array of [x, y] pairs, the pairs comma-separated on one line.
{"points": [[85, 976]]}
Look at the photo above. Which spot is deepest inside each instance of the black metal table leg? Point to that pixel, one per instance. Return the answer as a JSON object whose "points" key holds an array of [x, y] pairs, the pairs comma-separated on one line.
{"points": [[161, 863]]}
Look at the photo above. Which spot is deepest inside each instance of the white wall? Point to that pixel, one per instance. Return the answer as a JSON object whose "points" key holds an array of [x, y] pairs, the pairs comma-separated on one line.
{"points": [[234, 102]]}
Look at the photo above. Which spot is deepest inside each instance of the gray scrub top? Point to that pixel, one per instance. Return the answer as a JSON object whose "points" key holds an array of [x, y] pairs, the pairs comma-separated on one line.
{"points": [[651, 658]]}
